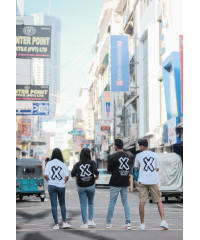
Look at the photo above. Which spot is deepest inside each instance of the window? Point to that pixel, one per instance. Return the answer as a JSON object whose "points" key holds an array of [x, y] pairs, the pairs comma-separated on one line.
{"points": [[28, 170]]}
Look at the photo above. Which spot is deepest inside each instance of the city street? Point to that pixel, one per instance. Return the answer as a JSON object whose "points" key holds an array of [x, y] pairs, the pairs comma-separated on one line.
{"points": [[34, 219]]}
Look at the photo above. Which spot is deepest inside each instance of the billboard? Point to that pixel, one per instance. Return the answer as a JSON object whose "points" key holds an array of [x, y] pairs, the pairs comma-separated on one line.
{"points": [[37, 109], [32, 92], [107, 106], [33, 41], [119, 63]]}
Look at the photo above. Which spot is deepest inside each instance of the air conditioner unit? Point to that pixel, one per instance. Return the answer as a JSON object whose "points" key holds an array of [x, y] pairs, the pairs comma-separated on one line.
{"points": [[119, 112]]}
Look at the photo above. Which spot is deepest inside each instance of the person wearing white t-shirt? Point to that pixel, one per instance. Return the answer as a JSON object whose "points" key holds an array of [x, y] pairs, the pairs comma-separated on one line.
{"points": [[56, 174], [147, 164]]}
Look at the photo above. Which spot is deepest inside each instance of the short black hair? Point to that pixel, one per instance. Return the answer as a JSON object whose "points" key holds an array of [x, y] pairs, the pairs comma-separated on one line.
{"points": [[143, 142], [57, 154], [119, 143]]}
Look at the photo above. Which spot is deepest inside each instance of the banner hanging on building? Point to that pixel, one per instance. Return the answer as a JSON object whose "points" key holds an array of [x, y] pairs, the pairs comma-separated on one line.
{"points": [[32, 92], [119, 63], [33, 41], [89, 128], [107, 106], [26, 129]]}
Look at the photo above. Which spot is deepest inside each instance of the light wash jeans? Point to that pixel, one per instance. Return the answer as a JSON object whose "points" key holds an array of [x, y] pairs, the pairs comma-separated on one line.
{"points": [[54, 193], [86, 195], [114, 191]]}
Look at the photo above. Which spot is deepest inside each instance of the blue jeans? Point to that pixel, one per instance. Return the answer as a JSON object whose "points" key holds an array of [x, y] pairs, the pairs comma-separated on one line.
{"points": [[114, 191], [55, 192], [86, 194]]}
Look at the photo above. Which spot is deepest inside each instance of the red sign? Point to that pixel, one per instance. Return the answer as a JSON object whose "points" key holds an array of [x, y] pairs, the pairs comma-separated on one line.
{"points": [[181, 69], [105, 128]]}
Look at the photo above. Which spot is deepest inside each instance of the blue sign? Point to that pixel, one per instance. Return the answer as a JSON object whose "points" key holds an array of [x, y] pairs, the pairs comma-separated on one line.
{"points": [[119, 63], [172, 85], [37, 109]]}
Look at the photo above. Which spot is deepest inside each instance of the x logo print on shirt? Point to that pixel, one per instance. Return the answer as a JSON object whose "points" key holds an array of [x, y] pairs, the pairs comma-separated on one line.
{"points": [[56, 173], [148, 164], [124, 163], [85, 170]]}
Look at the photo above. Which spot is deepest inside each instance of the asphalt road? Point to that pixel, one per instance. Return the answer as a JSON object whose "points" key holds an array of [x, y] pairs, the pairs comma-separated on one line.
{"points": [[34, 219]]}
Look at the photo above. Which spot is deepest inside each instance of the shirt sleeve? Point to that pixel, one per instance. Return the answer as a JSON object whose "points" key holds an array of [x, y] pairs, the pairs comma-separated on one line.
{"points": [[66, 173], [136, 162], [157, 162], [46, 171], [74, 171], [110, 165], [96, 172]]}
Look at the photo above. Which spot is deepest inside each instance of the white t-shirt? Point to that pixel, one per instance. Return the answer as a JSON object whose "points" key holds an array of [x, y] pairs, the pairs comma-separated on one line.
{"points": [[56, 172], [148, 162]]}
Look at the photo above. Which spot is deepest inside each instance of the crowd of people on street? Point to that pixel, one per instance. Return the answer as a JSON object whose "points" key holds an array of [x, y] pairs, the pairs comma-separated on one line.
{"points": [[86, 173]]}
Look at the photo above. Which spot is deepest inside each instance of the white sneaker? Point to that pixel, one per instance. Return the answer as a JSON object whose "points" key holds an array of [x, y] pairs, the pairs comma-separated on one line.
{"points": [[142, 227], [66, 225], [127, 226], [91, 223], [164, 225], [108, 226], [56, 227], [84, 226]]}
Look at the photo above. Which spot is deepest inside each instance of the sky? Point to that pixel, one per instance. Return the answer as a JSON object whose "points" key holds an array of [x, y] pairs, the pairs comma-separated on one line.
{"points": [[79, 29]]}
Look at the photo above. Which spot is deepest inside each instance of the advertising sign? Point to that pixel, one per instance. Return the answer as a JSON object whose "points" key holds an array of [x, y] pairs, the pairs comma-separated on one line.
{"points": [[119, 63], [37, 109], [33, 41], [32, 92], [26, 129], [107, 106]]}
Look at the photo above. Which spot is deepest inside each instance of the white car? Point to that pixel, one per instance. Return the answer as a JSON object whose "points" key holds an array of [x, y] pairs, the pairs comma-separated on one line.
{"points": [[104, 178]]}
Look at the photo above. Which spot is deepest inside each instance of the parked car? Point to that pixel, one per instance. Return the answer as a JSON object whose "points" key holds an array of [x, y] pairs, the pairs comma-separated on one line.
{"points": [[104, 178]]}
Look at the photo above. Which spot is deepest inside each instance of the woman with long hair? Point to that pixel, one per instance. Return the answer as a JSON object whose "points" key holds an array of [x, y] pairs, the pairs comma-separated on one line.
{"points": [[56, 174], [86, 173]]}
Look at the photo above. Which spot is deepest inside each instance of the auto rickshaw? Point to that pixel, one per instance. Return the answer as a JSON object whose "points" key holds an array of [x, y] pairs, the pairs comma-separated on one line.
{"points": [[29, 178]]}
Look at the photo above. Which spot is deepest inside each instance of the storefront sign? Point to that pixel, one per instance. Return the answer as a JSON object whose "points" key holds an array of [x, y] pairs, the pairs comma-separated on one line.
{"points": [[89, 129], [32, 92], [119, 63], [33, 41], [37, 109]]}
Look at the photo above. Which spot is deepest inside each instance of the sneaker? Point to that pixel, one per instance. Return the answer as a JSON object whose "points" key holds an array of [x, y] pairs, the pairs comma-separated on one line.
{"points": [[56, 227], [108, 226], [164, 225], [66, 225], [91, 223], [84, 226], [142, 227], [127, 226]]}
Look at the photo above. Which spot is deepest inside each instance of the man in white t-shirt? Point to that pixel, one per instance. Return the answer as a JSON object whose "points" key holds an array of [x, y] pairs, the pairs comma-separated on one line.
{"points": [[147, 164]]}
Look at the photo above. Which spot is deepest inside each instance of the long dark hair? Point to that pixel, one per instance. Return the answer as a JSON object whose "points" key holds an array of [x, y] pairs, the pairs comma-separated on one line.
{"points": [[57, 154], [85, 154]]}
